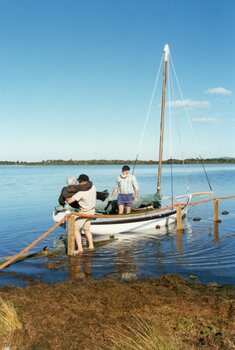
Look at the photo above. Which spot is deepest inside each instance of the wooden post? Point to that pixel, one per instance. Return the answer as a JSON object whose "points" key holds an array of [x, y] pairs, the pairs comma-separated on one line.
{"points": [[216, 210], [179, 237], [216, 231], [179, 218], [71, 235]]}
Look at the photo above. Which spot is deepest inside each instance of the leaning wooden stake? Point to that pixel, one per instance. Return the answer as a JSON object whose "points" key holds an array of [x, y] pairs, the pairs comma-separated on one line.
{"points": [[71, 235], [216, 210], [17, 256], [179, 218]]}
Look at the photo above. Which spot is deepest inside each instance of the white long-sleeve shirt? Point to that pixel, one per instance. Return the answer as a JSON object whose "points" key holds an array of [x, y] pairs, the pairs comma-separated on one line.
{"points": [[126, 185]]}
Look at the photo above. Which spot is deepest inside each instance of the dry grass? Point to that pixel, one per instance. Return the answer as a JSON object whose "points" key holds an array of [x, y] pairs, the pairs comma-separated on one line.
{"points": [[143, 336], [9, 320]]}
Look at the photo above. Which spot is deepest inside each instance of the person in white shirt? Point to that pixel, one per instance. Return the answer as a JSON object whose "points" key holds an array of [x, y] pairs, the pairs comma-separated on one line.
{"points": [[86, 201], [128, 190]]}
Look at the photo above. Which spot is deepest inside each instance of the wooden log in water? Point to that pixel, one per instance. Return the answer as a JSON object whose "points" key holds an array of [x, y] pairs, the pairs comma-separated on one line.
{"points": [[50, 254]]}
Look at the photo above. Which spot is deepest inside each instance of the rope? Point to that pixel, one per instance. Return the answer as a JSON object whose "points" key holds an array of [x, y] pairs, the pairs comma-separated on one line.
{"points": [[94, 216], [208, 181], [179, 135], [147, 115], [170, 123], [190, 124]]}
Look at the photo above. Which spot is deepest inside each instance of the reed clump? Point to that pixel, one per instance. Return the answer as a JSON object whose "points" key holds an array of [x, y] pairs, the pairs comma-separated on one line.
{"points": [[143, 336], [9, 320]]}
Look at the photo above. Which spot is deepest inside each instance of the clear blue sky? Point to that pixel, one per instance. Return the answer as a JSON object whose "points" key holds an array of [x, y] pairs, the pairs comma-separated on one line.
{"points": [[76, 76]]}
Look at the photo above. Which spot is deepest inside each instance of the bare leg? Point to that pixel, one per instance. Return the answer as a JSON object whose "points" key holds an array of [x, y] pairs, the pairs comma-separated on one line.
{"points": [[120, 209], [128, 209], [78, 239], [89, 238]]}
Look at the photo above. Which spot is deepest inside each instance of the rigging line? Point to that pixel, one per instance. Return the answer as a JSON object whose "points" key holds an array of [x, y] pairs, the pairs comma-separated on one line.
{"points": [[147, 115], [203, 165], [180, 139], [170, 124], [190, 124]]}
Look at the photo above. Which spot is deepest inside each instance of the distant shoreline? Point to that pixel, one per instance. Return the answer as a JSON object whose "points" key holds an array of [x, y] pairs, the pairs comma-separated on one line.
{"points": [[60, 162]]}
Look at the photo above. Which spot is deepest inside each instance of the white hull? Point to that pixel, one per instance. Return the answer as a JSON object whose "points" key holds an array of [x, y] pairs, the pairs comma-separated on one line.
{"points": [[138, 223], [134, 223]]}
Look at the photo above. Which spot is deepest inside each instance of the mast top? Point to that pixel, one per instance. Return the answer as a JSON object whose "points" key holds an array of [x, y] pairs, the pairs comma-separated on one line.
{"points": [[166, 52]]}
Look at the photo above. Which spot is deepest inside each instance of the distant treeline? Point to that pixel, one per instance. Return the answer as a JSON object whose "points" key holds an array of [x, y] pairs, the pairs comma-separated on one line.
{"points": [[225, 160]]}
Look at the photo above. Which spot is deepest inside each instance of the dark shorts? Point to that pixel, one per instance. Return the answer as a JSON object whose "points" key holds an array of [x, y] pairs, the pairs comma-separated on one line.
{"points": [[125, 199]]}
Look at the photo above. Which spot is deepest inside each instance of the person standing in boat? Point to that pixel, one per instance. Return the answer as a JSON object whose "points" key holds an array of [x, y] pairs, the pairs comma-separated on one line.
{"points": [[128, 190], [86, 201]]}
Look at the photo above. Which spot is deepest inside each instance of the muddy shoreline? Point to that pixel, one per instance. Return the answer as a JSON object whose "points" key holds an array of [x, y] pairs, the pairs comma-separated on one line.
{"points": [[85, 314]]}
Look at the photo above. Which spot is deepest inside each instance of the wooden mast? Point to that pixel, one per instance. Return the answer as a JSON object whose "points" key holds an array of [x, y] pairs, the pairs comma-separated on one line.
{"points": [[166, 54]]}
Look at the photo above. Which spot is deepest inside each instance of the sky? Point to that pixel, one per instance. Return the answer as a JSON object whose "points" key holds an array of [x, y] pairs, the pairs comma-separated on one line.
{"points": [[76, 78]]}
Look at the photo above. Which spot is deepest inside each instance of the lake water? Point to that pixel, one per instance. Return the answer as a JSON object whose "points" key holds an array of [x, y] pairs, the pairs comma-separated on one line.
{"points": [[204, 250]]}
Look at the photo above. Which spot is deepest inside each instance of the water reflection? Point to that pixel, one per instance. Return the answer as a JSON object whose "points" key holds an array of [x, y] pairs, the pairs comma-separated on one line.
{"points": [[79, 267], [203, 248], [216, 231], [179, 238], [126, 268]]}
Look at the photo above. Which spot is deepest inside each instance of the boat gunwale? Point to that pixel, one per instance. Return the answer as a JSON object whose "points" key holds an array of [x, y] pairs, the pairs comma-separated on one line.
{"points": [[131, 219]]}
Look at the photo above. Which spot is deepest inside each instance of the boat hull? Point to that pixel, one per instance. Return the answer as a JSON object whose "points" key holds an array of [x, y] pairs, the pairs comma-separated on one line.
{"points": [[134, 224]]}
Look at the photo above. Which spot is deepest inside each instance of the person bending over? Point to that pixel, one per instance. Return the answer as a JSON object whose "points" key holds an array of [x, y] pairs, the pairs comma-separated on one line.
{"points": [[86, 201], [73, 186]]}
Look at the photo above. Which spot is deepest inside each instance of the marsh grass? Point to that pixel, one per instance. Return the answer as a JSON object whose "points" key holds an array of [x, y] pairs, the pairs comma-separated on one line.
{"points": [[9, 320], [143, 336]]}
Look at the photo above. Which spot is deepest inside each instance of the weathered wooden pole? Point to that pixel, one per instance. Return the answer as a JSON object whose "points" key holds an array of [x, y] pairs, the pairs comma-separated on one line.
{"points": [[179, 218], [216, 231], [216, 210], [179, 237], [166, 57], [71, 234]]}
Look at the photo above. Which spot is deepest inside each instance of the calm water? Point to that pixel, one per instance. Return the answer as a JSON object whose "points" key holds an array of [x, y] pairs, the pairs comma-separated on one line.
{"points": [[29, 194]]}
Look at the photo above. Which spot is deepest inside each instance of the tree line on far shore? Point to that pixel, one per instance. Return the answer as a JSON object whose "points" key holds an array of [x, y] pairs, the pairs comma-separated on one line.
{"points": [[225, 160]]}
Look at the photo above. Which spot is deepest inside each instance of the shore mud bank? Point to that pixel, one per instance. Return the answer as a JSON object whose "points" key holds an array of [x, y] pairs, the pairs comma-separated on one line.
{"points": [[92, 314]]}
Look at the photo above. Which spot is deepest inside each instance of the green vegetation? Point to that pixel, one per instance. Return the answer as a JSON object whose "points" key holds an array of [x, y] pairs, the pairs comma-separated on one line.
{"points": [[224, 160]]}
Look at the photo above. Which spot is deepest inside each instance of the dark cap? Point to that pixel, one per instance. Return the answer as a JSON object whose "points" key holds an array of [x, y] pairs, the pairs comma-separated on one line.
{"points": [[83, 177], [125, 167]]}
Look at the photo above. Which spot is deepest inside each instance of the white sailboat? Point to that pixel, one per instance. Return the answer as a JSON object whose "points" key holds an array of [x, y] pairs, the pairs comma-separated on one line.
{"points": [[151, 218], [103, 224]]}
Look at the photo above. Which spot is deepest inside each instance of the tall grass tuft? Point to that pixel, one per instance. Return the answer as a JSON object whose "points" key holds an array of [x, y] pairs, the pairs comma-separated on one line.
{"points": [[144, 336], [9, 320]]}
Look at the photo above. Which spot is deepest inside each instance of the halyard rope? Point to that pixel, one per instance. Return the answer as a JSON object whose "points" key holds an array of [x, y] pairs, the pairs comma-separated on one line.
{"points": [[147, 115], [190, 124]]}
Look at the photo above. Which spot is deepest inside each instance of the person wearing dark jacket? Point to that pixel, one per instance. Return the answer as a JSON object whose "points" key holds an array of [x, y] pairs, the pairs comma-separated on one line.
{"points": [[73, 187]]}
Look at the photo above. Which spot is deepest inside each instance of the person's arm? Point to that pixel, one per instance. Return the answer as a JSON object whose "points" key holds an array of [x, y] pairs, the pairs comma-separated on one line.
{"points": [[70, 200], [61, 198], [75, 197], [84, 187], [136, 196], [115, 190], [113, 193], [136, 188]]}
